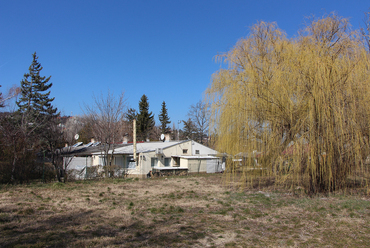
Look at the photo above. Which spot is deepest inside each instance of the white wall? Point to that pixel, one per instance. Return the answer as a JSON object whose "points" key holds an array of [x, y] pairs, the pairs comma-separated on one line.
{"points": [[144, 163], [203, 150]]}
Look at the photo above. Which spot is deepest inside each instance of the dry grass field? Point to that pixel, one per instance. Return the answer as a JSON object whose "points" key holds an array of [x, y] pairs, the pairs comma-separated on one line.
{"points": [[191, 211]]}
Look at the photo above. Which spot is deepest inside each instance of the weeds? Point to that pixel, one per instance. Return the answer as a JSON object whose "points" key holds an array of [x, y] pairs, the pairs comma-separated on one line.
{"points": [[84, 215]]}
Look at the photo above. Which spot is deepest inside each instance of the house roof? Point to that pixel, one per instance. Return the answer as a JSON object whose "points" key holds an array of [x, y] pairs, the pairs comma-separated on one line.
{"points": [[84, 151], [145, 147]]}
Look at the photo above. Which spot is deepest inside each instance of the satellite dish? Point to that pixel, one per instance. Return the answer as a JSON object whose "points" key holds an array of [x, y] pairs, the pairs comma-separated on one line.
{"points": [[77, 136], [162, 136]]}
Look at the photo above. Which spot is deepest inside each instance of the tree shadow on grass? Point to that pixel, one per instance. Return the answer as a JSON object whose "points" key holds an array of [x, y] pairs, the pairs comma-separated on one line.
{"points": [[59, 230], [89, 228]]}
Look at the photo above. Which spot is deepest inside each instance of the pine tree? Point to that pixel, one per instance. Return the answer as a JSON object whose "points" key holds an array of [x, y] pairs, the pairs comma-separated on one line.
{"points": [[145, 119], [189, 130], [164, 119], [35, 123], [35, 103], [130, 115]]}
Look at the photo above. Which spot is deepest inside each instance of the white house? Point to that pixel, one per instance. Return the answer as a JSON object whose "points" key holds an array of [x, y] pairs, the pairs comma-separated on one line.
{"points": [[171, 155], [78, 159]]}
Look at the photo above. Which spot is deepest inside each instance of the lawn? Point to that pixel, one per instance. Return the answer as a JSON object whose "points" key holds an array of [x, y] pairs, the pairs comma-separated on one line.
{"points": [[191, 211]]}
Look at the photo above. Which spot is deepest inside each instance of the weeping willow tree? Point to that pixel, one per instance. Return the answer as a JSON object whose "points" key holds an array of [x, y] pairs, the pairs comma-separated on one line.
{"points": [[295, 110]]}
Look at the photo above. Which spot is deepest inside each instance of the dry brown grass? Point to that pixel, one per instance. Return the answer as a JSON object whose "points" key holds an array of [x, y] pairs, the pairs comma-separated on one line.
{"points": [[193, 211]]}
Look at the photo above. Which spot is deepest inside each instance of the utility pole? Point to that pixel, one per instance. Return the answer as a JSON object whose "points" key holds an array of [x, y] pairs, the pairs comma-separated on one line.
{"points": [[134, 137], [178, 130]]}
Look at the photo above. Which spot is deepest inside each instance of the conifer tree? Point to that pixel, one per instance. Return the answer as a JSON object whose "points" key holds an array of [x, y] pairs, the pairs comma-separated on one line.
{"points": [[35, 123], [35, 103], [189, 130], [130, 115], [36, 114], [145, 119], [164, 119]]}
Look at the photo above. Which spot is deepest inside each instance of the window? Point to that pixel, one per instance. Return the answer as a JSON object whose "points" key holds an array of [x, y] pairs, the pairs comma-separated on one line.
{"points": [[196, 151], [185, 151], [167, 161], [119, 161], [101, 160], [154, 162]]}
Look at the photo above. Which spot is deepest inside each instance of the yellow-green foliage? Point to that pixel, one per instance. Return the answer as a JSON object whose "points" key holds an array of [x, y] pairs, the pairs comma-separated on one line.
{"points": [[299, 106]]}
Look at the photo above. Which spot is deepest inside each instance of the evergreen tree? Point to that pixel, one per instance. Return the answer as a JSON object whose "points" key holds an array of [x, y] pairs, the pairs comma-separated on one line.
{"points": [[36, 123], [36, 115], [164, 119], [35, 103], [189, 130], [131, 115], [145, 119]]}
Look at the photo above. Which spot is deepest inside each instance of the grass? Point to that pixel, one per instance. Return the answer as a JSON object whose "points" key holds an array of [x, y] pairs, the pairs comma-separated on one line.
{"points": [[192, 211]]}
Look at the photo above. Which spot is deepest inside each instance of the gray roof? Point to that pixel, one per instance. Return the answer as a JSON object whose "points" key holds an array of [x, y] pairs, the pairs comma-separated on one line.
{"points": [[85, 151], [144, 147]]}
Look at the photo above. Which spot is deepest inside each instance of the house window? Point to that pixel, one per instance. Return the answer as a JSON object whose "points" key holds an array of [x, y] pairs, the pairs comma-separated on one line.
{"points": [[101, 160], [185, 151], [167, 161], [154, 162], [119, 161], [196, 151]]}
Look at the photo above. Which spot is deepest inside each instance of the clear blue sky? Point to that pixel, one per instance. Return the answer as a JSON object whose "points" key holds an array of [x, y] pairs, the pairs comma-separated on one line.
{"points": [[164, 49]]}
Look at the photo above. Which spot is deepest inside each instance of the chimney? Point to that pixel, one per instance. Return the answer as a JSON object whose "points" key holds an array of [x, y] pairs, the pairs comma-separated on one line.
{"points": [[125, 138]]}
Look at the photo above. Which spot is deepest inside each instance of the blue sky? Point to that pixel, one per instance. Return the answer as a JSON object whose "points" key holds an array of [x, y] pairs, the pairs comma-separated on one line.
{"points": [[164, 49]]}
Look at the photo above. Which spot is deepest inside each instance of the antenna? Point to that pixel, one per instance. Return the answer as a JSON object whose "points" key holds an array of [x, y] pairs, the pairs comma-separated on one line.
{"points": [[162, 137], [77, 136]]}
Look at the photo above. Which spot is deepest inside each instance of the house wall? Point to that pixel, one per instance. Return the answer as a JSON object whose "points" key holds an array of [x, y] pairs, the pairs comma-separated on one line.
{"points": [[96, 160], [197, 165], [145, 159], [76, 166], [146, 162], [178, 149], [184, 162], [194, 165], [203, 150], [77, 163], [215, 165]]}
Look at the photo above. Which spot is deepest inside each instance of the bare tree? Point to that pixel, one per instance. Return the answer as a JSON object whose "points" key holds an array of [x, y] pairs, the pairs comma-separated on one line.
{"points": [[106, 117], [13, 92], [63, 157], [72, 126], [199, 115]]}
